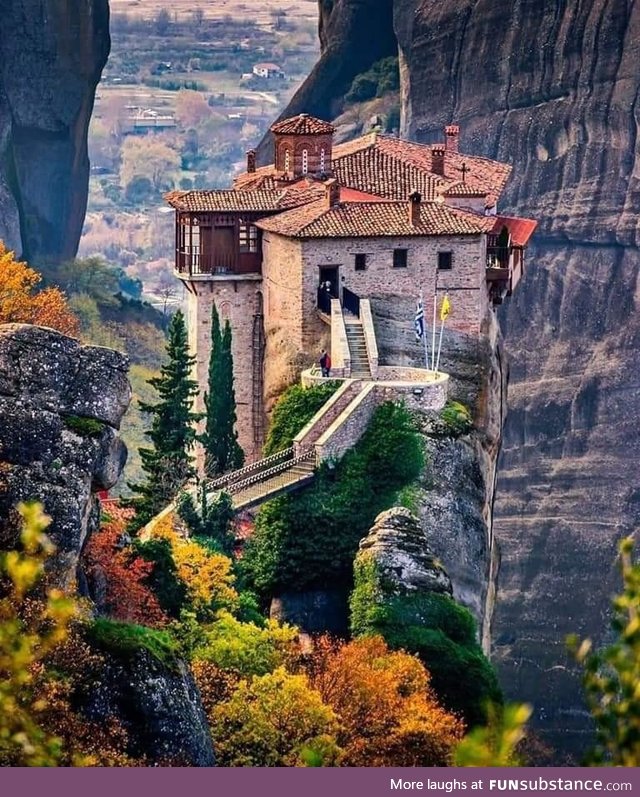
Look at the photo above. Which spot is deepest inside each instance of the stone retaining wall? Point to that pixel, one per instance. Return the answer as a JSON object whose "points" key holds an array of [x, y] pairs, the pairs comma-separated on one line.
{"points": [[325, 416], [349, 427]]}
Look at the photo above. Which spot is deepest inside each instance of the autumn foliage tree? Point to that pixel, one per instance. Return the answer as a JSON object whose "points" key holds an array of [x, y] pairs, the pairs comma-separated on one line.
{"points": [[122, 576], [21, 302], [274, 720], [382, 698]]}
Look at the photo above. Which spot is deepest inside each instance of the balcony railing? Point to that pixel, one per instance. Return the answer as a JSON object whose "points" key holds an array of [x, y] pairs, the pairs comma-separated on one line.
{"points": [[196, 264], [498, 256]]}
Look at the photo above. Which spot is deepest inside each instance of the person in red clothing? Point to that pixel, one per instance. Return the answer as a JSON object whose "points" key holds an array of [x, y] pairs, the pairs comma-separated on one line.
{"points": [[325, 363]]}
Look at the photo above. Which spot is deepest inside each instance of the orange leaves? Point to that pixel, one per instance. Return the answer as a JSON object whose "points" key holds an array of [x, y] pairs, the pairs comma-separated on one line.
{"points": [[120, 576], [20, 303], [389, 714]]}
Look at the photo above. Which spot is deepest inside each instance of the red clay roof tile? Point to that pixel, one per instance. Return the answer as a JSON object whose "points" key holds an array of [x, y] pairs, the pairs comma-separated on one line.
{"points": [[302, 124], [374, 219]]}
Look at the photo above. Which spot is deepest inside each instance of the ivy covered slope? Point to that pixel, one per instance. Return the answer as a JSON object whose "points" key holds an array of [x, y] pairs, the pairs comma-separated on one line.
{"points": [[309, 539]]}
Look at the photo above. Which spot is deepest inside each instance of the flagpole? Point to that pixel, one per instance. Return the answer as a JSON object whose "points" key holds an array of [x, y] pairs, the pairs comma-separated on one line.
{"points": [[433, 342], [424, 335], [444, 312]]}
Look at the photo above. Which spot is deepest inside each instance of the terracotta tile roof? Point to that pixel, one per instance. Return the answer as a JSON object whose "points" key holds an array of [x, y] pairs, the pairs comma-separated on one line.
{"points": [[264, 177], [230, 200], [483, 174], [461, 189], [376, 172], [521, 229], [374, 219], [302, 124]]}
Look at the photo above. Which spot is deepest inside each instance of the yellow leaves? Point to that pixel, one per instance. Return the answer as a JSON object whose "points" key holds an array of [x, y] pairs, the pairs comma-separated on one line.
{"points": [[207, 576], [20, 303], [30, 629]]}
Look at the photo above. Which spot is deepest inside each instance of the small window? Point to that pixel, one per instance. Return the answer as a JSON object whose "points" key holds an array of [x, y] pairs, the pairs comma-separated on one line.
{"points": [[322, 160], [248, 238], [286, 161], [360, 262], [445, 261], [400, 258], [305, 161]]}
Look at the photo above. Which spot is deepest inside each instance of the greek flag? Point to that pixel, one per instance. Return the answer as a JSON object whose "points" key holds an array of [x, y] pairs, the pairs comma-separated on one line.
{"points": [[418, 322]]}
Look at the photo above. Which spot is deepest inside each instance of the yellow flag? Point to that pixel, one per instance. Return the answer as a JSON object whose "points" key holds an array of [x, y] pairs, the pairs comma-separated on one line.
{"points": [[445, 309]]}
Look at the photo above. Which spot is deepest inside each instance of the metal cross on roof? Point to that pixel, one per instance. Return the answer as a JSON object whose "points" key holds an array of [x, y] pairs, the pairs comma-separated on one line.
{"points": [[464, 169]]}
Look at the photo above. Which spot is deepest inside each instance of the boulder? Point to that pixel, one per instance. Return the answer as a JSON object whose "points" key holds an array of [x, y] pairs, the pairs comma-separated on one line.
{"points": [[60, 406], [404, 560]]}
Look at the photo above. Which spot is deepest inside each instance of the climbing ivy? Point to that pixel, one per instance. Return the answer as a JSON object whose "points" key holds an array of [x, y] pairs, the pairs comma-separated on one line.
{"points": [[306, 539]]}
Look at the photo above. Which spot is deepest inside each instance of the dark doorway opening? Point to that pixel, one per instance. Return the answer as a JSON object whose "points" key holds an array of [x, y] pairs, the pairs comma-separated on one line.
{"points": [[328, 287]]}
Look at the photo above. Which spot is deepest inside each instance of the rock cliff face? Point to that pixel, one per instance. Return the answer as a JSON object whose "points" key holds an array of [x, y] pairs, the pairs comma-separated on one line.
{"points": [[551, 87], [159, 707], [60, 406], [51, 58], [354, 34]]}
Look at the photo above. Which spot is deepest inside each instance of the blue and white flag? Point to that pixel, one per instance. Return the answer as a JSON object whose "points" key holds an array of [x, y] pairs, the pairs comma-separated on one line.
{"points": [[418, 322]]}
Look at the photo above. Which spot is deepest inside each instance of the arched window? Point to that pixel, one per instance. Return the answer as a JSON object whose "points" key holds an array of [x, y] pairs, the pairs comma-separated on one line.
{"points": [[305, 161], [322, 159], [287, 161]]}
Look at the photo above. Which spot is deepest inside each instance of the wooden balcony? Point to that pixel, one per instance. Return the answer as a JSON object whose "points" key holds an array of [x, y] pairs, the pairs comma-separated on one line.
{"points": [[217, 264]]}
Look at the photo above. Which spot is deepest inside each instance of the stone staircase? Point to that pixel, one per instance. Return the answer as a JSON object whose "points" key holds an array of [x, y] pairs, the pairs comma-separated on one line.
{"points": [[357, 347]]}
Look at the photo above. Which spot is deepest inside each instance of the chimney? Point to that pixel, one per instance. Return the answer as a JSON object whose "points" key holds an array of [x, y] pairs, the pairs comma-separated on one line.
{"points": [[451, 138], [251, 161], [415, 200], [332, 187], [437, 159]]}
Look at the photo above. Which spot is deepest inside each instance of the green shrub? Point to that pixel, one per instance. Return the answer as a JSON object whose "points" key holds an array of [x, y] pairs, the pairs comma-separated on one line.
{"points": [[457, 418], [293, 410], [245, 648], [209, 520], [87, 427], [311, 537], [462, 676], [124, 640], [164, 581], [380, 79]]}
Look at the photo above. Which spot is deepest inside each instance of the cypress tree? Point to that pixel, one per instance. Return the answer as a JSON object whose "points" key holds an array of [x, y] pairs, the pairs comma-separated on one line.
{"points": [[168, 464], [220, 439]]}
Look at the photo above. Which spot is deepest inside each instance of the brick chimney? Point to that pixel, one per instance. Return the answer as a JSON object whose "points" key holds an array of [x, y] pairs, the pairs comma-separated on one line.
{"points": [[452, 138], [437, 159], [332, 196], [415, 201], [251, 161]]}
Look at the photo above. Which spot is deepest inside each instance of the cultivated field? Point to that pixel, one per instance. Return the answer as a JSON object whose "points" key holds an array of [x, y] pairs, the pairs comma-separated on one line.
{"points": [[261, 11]]}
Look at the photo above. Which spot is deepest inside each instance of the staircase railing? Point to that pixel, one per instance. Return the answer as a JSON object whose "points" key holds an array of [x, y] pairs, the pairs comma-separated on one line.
{"points": [[285, 457], [269, 474], [351, 302]]}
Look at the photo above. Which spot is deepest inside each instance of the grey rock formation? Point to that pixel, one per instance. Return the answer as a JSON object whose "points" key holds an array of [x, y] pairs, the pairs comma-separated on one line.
{"points": [[51, 58], [404, 559], [554, 94], [159, 706], [51, 390]]}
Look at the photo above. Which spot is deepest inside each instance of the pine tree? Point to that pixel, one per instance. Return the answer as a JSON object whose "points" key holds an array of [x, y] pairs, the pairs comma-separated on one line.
{"points": [[168, 464], [220, 439]]}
